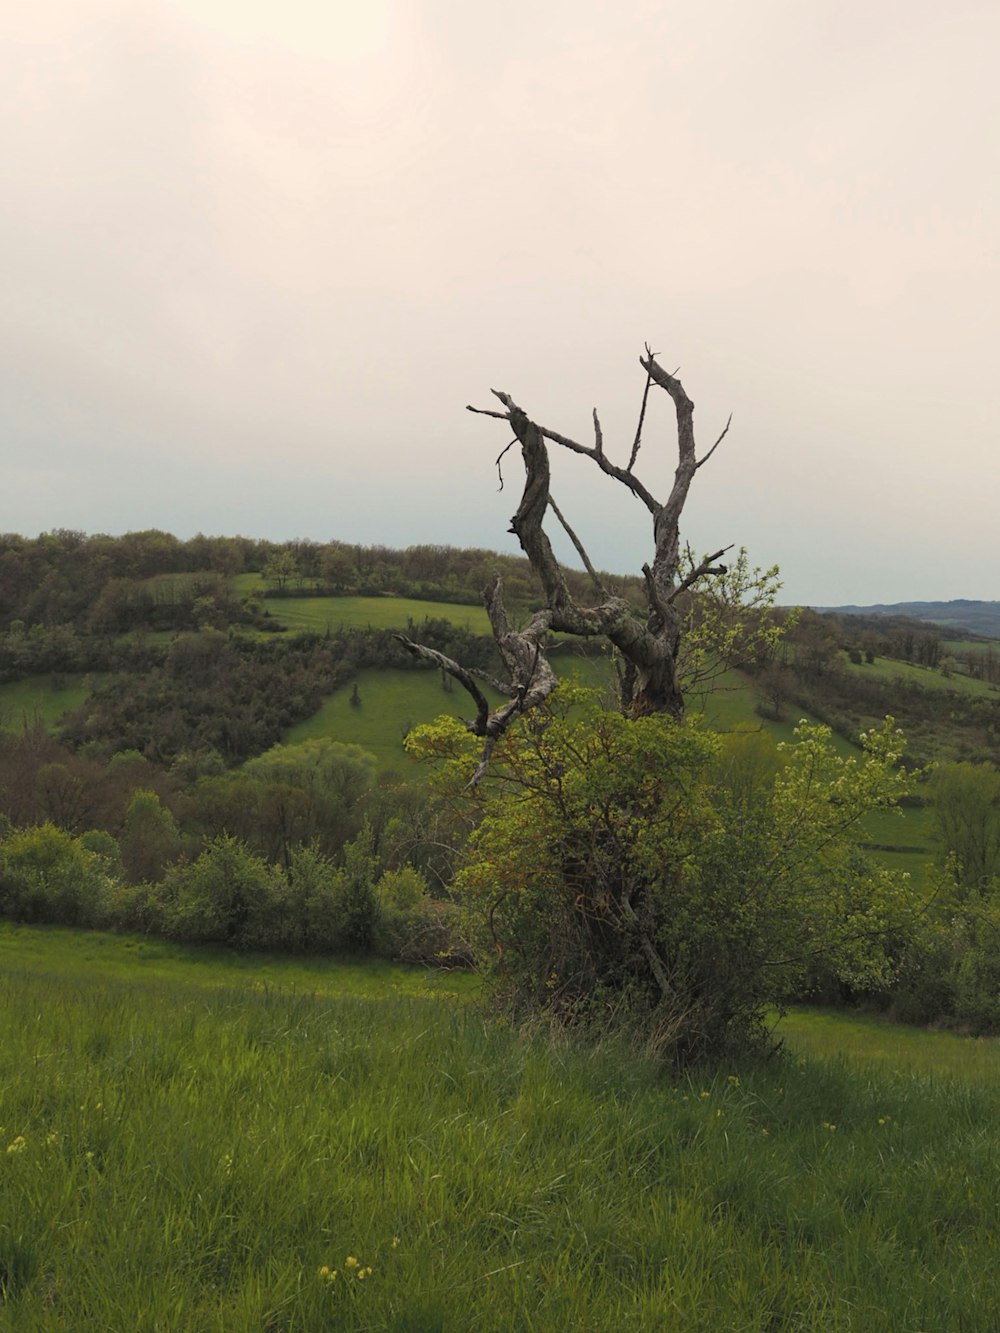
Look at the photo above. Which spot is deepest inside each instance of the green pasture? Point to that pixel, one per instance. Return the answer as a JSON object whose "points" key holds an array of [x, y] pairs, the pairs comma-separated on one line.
{"points": [[322, 614], [971, 645], [97, 956], [393, 700], [41, 697], [732, 703], [876, 1043], [202, 1152], [888, 670]]}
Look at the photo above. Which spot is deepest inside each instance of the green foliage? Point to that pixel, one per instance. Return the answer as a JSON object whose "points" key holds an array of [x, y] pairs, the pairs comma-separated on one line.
{"points": [[729, 623], [227, 896], [289, 796], [648, 868], [150, 839], [411, 925], [965, 817], [357, 907], [48, 876], [234, 694], [950, 972]]}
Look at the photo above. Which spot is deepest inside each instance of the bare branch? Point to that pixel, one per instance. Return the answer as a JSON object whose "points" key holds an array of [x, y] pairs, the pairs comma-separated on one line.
{"points": [[715, 446], [485, 412], [706, 567], [597, 454], [642, 417], [500, 457], [464, 678], [595, 579]]}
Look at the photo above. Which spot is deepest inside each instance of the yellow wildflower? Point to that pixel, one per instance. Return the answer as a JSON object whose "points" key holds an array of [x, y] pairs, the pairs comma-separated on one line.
{"points": [[17, 1145]]}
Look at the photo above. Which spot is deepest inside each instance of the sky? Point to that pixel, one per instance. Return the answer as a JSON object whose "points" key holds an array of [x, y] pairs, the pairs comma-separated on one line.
{"points": [[259, 254]]}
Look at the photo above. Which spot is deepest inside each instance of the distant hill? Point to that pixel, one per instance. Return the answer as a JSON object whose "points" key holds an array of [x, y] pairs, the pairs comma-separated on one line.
{"points": [[976, 617]]}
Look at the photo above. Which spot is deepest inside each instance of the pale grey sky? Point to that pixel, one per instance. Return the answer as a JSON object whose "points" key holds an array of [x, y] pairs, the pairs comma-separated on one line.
{"points": [[258, 254]]}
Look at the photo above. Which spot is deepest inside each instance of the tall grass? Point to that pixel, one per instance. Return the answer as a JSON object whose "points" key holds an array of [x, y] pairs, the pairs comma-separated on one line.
{"points": [[184, 1156]]}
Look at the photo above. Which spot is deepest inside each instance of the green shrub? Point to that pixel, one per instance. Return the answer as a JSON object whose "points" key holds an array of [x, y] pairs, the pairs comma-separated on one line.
{"points": [[649, 873], [47, 876], [315, 891], [227, 896], [412, 926], [150, 839]]}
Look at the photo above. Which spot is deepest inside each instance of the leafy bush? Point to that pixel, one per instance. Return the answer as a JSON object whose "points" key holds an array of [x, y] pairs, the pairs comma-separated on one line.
{"points": [[411, 925], [47, 876], [227, 896], [649, 871]]}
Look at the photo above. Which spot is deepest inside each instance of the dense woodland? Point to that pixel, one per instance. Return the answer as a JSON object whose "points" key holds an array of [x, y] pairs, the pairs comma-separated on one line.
{"points": [[166, 802]]}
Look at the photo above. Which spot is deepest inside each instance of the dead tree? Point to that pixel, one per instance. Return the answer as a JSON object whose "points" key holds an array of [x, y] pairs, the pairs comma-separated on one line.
{"points": [[648, 642]]}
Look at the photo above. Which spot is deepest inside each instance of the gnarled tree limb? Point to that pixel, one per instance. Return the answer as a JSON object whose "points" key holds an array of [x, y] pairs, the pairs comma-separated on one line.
{"points": [[647, 644]]}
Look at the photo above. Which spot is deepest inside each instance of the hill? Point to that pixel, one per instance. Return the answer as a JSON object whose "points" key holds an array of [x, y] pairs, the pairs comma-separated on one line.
{"points": [[962, 613]]}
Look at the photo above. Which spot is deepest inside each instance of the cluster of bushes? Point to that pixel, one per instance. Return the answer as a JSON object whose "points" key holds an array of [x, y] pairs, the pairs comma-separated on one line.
{"points": [[229, 895], [300, 849], [950, 968], [209, 690], [652, 874]]}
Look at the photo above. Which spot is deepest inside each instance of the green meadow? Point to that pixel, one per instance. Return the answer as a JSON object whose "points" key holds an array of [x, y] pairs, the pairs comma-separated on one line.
{"points": [[320, 614], [889, 671], [41, 698], [197, 1142], [391, 700]]}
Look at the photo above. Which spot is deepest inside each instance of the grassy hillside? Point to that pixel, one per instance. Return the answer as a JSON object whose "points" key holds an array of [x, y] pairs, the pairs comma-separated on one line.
{"points": [[206, 1153], [926, 678], [392, 701]]}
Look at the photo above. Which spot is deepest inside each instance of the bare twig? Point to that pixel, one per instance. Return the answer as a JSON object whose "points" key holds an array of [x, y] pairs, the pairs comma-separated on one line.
{"points": [[642, 417], [706, 567], [581, 552], [725, 432], [500, 457]]}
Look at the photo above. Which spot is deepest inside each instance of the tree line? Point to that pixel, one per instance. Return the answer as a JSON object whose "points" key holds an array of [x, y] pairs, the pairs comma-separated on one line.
{"points": [[153, 580]]}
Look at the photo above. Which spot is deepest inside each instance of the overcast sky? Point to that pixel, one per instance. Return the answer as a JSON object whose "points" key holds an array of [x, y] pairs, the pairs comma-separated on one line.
{"points": [[259, 254]]}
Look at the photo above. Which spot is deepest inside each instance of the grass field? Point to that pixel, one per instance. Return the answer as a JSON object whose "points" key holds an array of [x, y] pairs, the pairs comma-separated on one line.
{"points": [[392, 700], [888, 670], [22, 701], [971, 645], [201, 1152], [320, 614]]}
